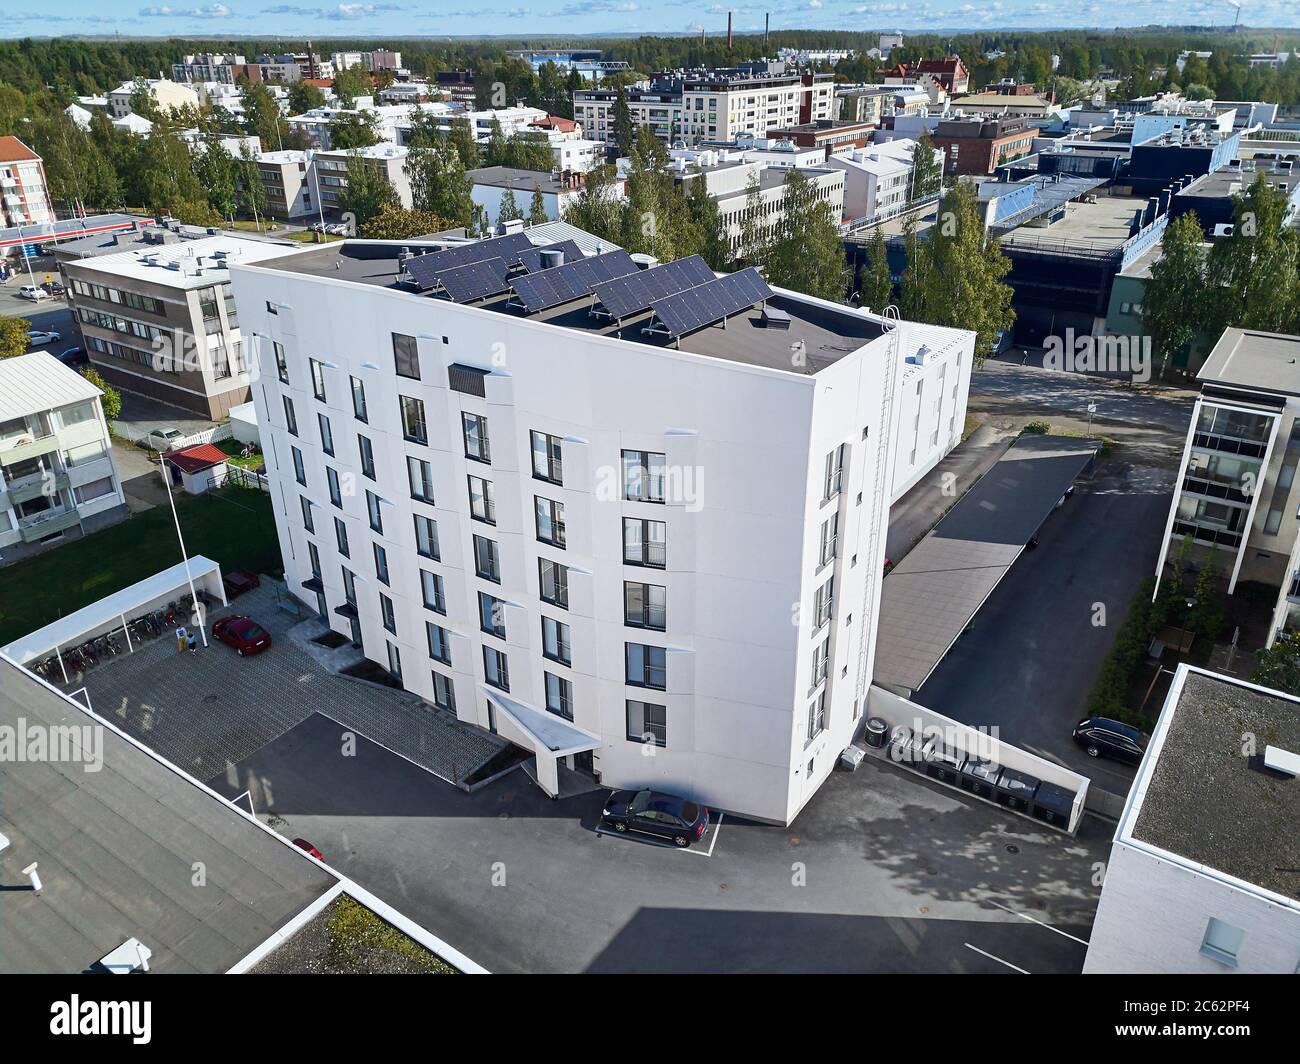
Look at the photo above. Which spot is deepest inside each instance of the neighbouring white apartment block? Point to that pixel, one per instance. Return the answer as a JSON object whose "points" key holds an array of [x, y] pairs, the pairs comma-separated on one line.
{"points": [[167, 96], [286, 182], [654, 557], [330, 168], [57, 478], [877, 179], [24, 192], [1202, 873]]}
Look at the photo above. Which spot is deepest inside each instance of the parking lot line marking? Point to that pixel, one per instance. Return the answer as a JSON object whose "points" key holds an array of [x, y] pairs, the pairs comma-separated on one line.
{"points": [[1040, 923], [993, 958], [712, 842]]}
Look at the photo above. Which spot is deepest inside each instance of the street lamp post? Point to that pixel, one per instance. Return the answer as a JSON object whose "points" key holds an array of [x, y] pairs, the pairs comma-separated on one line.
{"points": [[189, 577]]}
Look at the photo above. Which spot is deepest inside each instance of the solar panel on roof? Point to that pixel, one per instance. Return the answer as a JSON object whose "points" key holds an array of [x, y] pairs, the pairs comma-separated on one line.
{"points": [[475, 280], [706, 304], [422, 271], [625, 296], [532, 258], [508, 248], [549, 288]]}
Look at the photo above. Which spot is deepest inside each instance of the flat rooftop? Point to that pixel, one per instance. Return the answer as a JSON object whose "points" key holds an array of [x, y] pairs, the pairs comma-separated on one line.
{"points": [[1263, 361], [117, 848], [828, 334], [1202, 800], [176, 265], [1100, 227], [1232, 180]]}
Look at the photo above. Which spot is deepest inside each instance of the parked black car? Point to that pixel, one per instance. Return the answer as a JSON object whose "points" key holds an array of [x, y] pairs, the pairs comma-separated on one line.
{"points": [[73, 356], [1103, 737], [665, 816]]}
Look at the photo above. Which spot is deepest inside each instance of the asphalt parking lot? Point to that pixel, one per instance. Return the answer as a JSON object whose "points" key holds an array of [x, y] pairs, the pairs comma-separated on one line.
{"points": [[1033, 652], [881, 872]]}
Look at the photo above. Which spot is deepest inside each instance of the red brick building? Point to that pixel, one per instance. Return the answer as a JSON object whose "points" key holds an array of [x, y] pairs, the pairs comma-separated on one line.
{"points": [[979, 146]]}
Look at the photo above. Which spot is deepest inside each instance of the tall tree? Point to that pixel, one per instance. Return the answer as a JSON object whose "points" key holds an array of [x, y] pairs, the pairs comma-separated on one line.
{"points": [[624, 127], [710, 238], [353, 130], [508, 208], [304, 97], [754, 236], [877, 286], [927, 172], [367, 192], [1253, 275], [351, 83], [537, 207], [807, 254], [597, 209], [1173, 302], [439, 183]]}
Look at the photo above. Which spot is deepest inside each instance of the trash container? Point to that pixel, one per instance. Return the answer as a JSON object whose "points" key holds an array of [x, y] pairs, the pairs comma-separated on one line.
{"points": [[1053, 805], [1015, 790], [906, 748], [877, 730], [980, 777], [943, 764]]}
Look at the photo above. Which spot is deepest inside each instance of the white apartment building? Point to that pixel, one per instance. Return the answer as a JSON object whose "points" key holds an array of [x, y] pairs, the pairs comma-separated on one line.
{"points": [[877, 179], [699, 109], [1237, 495], [1201, 877], [577, 156], [167, 96], [655, 560], [24, 192], [289, 190], [330, 171], [57, 478]]}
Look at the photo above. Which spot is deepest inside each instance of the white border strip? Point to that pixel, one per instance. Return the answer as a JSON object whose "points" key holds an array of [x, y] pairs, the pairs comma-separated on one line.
{"points": [[278, 938]]}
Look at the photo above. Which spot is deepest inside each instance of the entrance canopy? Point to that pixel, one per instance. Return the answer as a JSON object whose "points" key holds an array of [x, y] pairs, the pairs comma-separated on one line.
{"points": [[549, 737], [109, 612]]}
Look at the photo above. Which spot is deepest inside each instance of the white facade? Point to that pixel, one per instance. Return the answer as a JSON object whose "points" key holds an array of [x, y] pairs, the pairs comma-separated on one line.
{"points": [[56, 456], [753, 694], [330, 172], [577, 155], [290, 193], [877, 179], [167, 96], [24, 192]]}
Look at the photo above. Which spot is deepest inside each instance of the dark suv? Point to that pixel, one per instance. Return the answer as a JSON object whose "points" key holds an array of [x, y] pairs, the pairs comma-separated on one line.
{"points": [[1103, 737], [665, 816]]}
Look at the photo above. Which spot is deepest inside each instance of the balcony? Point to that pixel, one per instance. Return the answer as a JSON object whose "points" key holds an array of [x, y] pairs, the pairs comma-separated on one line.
{"points": [[1293, 592], [31, 449], [47, 524], [1211, 441], [1207, 487], [27, 488], [1215, 537]]}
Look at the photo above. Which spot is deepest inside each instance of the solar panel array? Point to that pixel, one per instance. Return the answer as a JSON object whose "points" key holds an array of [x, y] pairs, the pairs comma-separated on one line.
{"points": [[532, 258], [550, 288], [425, 268], [475, 280], [625, 296], [706, 304]]}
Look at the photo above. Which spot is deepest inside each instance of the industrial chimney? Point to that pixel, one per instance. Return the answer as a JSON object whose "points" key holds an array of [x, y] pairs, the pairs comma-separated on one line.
{"points": [[767, 25], [729, 31]]}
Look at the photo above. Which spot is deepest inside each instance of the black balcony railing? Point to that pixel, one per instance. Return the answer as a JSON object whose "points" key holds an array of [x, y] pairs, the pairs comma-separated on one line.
{"points": [[1227, 490], [1211, 441], [1219, 537]]}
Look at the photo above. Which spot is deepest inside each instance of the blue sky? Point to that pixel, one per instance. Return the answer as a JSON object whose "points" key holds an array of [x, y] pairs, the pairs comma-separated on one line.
{"points": [[395, 19]]}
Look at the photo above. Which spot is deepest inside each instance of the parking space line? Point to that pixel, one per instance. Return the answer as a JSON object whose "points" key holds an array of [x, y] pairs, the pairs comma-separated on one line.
{"points": [[712, 843], [993, 958], [1040, 923]]}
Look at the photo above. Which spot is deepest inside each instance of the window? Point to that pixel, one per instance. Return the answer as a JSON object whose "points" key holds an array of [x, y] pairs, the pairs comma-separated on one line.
{"points": [[413, 427], [341, 534], [823, 603], [1222, 941], [349, 585], [647, 723], [394, 661], [314, 555], [367, 452], [554, 582], [550, 521], [372, 508], [381, 564], [555, 641], [317, 379], [299, 472], [645, 605], [491, 615], [307, 522], [359, 400], [406, 356], [96, 489], [496, 669], [290, 419], [326, 435], [426, 538], [475, 429], [431, 587], [835, 471], [386, 612], [444, 692], [817, 716], [559, 696], [643, 476], [336, 493], [830, 539], [481, 506], [487, 562], [644, 542], [821, 662], [439, 645], [646, 666], [546, 457], [281, 363], [420, 475]]}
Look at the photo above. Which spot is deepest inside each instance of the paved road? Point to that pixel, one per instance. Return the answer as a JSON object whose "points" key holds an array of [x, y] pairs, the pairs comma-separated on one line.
{"points": [[49, 315], [883, 871]]}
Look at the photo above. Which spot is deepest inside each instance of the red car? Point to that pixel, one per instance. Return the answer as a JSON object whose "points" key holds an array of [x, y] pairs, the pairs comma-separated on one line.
{"points": [[242, 633], [237, 581], [303, 844]]}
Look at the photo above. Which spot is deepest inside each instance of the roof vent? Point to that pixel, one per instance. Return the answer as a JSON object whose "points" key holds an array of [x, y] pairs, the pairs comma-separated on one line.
{"points": [[1283, 761]]}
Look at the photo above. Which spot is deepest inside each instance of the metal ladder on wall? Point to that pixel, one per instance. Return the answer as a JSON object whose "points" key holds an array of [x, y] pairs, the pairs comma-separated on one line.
{"points": [[879, 501]]}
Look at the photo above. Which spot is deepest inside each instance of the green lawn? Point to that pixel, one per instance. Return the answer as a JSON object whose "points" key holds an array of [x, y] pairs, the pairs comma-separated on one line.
{"points": [[233, 447], [235, 527]]}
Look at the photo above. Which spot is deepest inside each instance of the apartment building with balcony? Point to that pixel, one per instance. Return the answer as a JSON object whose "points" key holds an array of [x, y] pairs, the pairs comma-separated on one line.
{"points": [[1236, 496], [157, 316], [24, 192], [57, 478], [653, 558], [330, 175], [287, 183]]}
